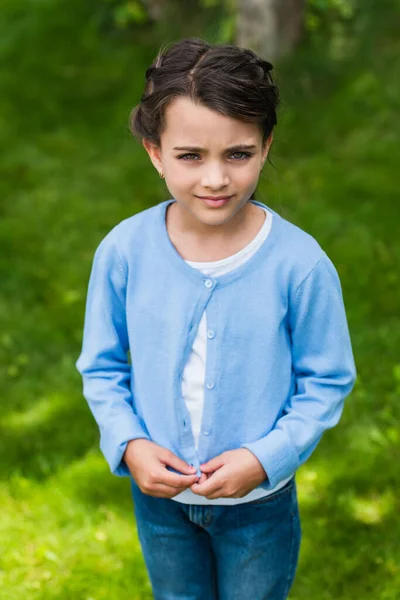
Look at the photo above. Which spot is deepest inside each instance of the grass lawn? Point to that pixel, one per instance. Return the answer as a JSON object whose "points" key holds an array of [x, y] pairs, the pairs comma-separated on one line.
{"points": [[69, 171]]}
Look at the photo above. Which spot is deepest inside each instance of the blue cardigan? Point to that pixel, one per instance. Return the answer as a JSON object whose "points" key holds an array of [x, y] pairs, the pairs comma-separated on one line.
{"points": [[279, 365]]}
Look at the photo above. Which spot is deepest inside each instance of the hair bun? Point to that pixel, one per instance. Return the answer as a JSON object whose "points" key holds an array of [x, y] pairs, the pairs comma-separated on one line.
{"points": [[266, 65], [150, 71]]}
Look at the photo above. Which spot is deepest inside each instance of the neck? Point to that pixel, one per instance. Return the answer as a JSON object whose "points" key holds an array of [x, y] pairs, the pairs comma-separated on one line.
{"points": [[182, 222], [214, 243]]}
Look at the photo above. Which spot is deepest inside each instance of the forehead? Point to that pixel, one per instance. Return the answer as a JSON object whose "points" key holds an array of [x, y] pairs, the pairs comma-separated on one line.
{"points": [[188, 123]]}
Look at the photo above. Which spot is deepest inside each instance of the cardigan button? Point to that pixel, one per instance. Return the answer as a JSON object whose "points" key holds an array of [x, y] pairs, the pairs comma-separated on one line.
{"points": [[210, 385], [209, 283], [210, 334]]}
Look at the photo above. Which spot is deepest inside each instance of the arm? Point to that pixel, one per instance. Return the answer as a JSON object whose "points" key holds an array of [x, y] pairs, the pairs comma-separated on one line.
{"points": [[324, 369], [103, 361]]}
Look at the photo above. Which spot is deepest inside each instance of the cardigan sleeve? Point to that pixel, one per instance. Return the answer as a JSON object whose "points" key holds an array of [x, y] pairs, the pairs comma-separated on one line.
{"points": [[324, 372], [103, 362]]}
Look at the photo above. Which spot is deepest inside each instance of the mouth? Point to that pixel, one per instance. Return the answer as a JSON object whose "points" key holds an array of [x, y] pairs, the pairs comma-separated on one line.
{"points": [[215, 201]]}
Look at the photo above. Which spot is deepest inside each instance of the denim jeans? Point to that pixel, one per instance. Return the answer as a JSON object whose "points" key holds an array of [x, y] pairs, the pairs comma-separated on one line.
{"points": [[219, 552]]}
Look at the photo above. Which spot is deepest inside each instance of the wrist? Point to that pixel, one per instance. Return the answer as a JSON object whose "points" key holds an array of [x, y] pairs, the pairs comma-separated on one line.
{"points": [[128, 445]]}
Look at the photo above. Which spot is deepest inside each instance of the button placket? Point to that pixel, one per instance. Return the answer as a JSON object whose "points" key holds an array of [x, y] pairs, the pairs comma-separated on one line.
{"points": [[187, 433], [209, 384]]}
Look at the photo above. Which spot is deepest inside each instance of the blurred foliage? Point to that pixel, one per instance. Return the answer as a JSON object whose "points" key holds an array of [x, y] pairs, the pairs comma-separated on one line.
{"points": [[332, 19], [334, 8], [129, 12], [335, 23]]}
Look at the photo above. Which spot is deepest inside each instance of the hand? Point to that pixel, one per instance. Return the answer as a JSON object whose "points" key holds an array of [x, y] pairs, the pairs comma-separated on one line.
{"points": [[232, 474], [147, 462]]}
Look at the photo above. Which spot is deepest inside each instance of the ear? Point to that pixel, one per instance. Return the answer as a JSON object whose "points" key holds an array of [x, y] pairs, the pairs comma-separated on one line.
{"points": [[267, 147], [154, 153]]}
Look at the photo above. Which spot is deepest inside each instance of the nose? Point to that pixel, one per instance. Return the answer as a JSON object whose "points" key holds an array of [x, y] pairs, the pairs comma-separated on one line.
{"points": [[215, 177]]}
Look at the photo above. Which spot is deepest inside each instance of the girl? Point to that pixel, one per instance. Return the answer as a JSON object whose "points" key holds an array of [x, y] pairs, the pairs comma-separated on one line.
{"points": [[240, 355]]}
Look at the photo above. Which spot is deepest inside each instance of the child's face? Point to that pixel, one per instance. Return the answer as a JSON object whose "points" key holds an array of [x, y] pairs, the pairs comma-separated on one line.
{"points": [[211, 169]]}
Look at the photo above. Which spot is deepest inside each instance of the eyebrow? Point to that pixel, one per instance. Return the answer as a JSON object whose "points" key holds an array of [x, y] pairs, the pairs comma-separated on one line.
{"points": [[236, 148]]}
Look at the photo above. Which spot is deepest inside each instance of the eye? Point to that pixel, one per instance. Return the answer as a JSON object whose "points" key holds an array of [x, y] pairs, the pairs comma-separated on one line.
{"points": [[244, 155], [185, 156], [193, 156]]}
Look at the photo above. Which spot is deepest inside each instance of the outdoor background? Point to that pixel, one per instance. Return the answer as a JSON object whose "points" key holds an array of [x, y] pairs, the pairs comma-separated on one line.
{"points": [[71, 71]]}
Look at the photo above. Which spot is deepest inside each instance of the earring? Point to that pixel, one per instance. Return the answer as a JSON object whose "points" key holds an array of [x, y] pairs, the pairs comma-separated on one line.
{"points": [[161, 174]]}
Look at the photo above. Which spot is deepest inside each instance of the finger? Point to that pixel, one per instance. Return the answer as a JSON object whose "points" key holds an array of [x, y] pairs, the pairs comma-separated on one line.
{"points": [[175, 480], [210, 486], [203, 478], [212, 465], [170, 459], [160, 490], [219, 493]]}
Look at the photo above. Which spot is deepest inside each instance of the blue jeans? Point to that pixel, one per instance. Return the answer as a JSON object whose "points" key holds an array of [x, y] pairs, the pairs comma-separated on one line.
{"points": [[197, 552]]}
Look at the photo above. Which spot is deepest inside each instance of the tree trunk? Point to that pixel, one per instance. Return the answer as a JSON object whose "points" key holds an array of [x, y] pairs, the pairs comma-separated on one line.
{"points": [[155, 8], [271, 28]]}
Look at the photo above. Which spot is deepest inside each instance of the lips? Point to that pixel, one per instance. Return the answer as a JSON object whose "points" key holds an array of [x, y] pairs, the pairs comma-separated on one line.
{"points": [[216, 202], [215, 197]]}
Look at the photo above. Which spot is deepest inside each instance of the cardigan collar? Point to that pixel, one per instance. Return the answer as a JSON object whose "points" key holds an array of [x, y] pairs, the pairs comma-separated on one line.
{"points": [[163, 240]]}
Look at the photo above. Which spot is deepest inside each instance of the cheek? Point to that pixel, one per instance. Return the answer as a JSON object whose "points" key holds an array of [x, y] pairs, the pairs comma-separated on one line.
{"points": [[248, 177], [180, 176]]}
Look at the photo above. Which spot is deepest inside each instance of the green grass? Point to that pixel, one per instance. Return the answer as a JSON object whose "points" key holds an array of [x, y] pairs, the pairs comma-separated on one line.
{"points": [[69, 171]]}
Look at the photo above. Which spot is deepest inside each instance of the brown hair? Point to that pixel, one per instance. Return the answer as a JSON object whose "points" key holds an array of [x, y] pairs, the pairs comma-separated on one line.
{"points": [[232, 80]]}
